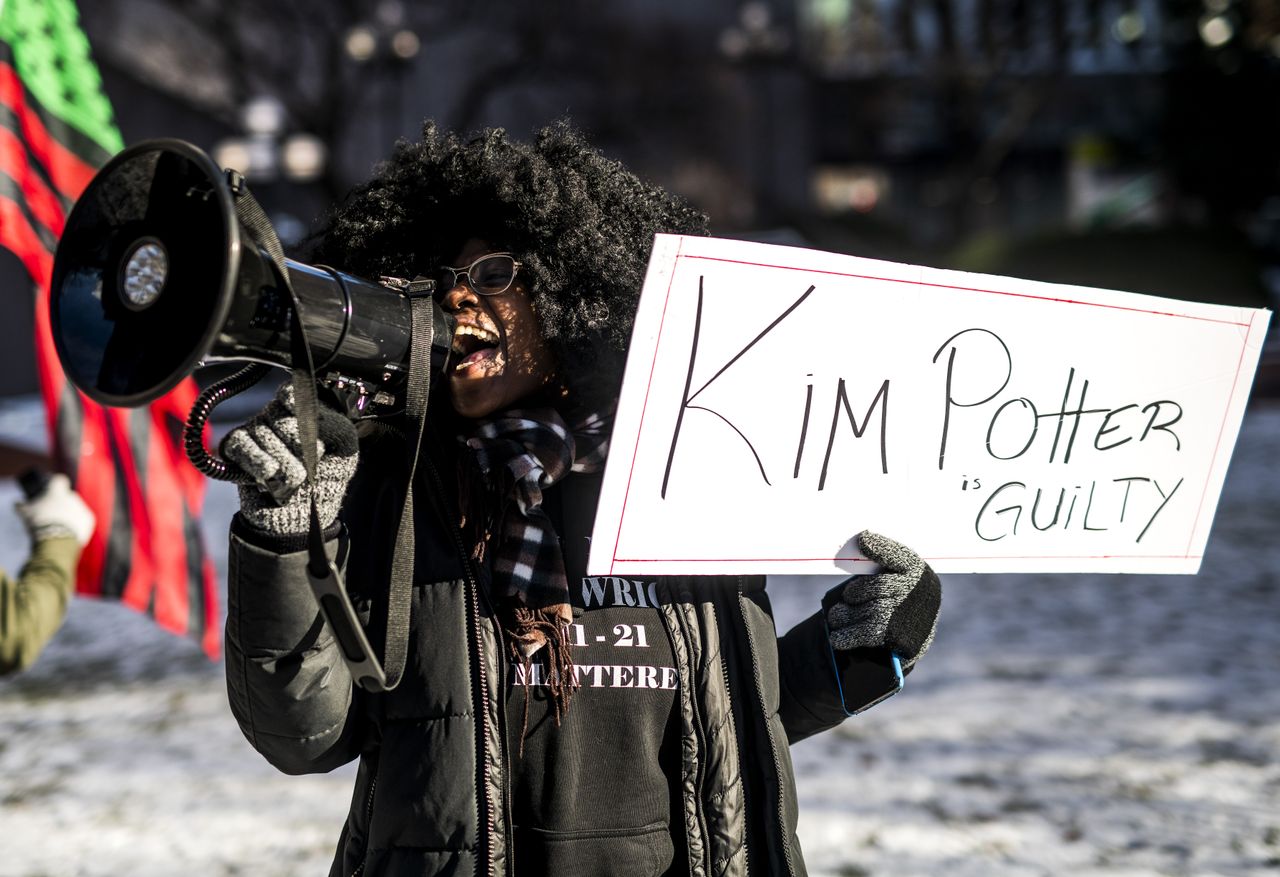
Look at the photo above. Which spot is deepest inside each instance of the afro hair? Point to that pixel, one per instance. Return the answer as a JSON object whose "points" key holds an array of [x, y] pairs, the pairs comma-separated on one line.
{"points": [[581, 224]]}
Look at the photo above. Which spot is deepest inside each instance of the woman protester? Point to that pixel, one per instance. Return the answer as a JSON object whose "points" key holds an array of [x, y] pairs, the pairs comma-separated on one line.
{"points": [[546, 722]]}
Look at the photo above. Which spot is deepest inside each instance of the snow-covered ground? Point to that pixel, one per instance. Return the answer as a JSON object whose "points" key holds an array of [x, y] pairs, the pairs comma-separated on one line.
{"points": [[1126, 726]]}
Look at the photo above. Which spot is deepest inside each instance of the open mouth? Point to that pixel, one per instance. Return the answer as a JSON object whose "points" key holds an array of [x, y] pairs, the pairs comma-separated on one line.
{"points": [[476, 349]]}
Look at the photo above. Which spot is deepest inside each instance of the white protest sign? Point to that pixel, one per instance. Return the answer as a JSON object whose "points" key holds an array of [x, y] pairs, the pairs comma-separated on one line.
{"points": [[777, 401]]}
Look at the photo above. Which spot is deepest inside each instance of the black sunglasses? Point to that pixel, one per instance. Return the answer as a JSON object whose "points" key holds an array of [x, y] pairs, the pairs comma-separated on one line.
{"points": [[488, 275]]}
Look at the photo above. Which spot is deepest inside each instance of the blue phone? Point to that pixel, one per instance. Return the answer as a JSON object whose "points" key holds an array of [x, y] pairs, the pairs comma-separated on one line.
{"points": [[864, 677]]}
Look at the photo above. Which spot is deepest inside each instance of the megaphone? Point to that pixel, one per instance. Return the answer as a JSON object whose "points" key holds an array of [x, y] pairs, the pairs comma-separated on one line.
{"points": [[166, 263], [157, 273]]}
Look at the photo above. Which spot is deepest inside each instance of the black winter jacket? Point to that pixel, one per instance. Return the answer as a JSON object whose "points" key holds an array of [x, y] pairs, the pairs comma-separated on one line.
{"points": [[431, 795]]}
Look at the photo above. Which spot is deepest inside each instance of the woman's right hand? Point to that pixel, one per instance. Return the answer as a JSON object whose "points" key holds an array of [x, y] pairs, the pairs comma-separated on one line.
{"points": [[269, 449]]}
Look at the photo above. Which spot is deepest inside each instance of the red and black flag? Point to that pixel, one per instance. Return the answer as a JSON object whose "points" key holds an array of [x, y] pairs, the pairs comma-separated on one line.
{"points": [[56, 129]]}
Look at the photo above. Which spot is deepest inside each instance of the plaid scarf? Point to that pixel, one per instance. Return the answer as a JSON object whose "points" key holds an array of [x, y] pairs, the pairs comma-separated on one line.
{"points": [[521, 452]]}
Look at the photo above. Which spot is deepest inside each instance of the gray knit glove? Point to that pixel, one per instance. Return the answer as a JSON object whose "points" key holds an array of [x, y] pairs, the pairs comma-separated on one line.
{"points": [[269, 449], [896, 607], [56, 511]]}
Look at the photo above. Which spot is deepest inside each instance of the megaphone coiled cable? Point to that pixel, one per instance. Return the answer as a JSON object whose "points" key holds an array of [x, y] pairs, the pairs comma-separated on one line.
{"points": [[193, 433]]}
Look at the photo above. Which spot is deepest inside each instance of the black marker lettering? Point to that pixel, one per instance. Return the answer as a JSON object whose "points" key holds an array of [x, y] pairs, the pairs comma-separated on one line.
{"points": [[1162, 505], [687, 400], [804, 429], [1071, 509], [1163, 427], [1079, 412], [1104, 429], [1066, 394], [1088, 508], [1035, 427], [950, 399], [1017, 509], [842, 400], [1057, 510], [1128, 484]]}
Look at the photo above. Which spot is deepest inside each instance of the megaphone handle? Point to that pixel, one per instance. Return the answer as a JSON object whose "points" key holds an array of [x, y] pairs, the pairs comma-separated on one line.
{"points": [[193, 433]]}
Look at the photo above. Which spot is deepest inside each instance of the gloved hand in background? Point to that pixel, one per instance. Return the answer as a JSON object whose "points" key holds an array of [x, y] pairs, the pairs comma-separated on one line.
{"points": [[33, 604], [268, 448], [896, 607], [57, 511]]}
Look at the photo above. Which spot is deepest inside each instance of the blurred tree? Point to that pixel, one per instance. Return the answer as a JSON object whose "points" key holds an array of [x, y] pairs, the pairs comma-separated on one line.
{"points": [[358, 74], [219, 54]]}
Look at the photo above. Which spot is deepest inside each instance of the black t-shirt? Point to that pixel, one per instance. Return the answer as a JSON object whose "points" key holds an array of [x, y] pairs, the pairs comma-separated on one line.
{"points": [[598, 794]]}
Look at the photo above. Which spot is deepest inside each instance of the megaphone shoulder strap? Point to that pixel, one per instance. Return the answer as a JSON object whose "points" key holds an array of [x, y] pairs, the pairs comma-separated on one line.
{"points": [[322, 570], [398, 593]]}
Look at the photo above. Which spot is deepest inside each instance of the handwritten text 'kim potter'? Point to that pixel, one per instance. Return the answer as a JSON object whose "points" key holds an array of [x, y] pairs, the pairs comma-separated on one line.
{"points": [[1016, 429]]}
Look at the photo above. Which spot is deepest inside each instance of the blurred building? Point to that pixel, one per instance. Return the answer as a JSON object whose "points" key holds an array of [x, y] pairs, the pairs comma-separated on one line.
{"points": [[987, 113]]}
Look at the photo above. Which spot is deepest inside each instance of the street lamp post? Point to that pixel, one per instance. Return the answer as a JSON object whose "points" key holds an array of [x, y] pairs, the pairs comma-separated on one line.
{"points": [[388, 44], [756, 43], [267, 153]]}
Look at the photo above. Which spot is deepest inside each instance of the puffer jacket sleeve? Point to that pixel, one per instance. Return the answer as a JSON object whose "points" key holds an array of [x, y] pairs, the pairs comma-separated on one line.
{"points": [[33, 605], [289, 687], [814, 698]]}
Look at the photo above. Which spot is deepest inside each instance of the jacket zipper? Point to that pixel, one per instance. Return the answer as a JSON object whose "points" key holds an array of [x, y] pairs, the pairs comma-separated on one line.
{"points": [[368, 820], [699, 728], [483, 751], [773, 745], [728, 702], [483, 805]]}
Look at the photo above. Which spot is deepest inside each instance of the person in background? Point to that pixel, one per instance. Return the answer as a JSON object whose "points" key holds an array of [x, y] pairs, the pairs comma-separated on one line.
{"points": [[33, 605], [547, 722]]}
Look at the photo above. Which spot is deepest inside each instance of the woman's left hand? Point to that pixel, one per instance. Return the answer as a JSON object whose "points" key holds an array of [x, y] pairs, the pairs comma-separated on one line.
{"points": [[896, 607]]}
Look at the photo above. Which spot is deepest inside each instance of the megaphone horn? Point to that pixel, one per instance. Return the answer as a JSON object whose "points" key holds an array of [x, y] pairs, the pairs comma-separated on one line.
{"points": [[156, 275]]}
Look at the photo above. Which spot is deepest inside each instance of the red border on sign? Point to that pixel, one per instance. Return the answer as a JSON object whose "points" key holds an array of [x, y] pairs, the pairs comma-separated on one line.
{"points": [[652, 366]]}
